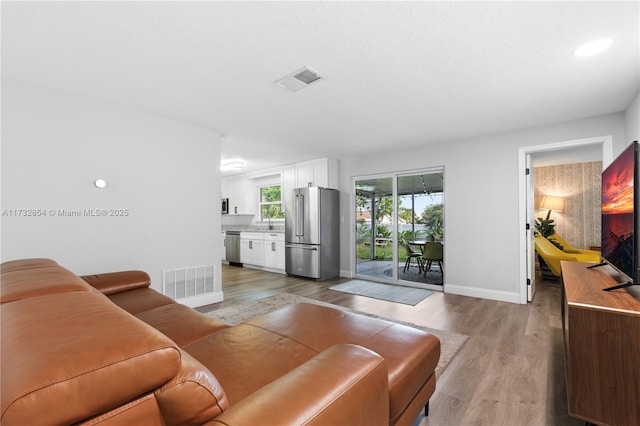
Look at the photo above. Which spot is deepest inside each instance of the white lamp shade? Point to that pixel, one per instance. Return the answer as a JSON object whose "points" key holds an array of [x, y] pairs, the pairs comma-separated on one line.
{"points": [[551, 202]]}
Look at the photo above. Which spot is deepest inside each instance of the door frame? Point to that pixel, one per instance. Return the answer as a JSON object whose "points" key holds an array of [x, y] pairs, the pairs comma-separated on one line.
{"points": [[526, 196], [529, 230], [352, 212]]}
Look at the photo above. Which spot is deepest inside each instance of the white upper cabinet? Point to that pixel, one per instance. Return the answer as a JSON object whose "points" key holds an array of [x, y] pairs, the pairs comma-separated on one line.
{"points": [[319, 172], [234, 188], [288, 178], [304, 174]]}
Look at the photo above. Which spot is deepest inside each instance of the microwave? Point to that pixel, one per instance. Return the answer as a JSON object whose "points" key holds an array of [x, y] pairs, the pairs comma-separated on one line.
{"points": [[225, 206]]}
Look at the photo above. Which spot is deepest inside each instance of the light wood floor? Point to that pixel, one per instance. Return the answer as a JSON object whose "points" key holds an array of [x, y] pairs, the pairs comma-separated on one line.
{"points": [[510, 371]]}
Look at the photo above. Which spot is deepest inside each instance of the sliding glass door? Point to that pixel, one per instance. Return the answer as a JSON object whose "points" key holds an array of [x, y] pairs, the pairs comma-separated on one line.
{"points": [[374, 227], [399, 217]]}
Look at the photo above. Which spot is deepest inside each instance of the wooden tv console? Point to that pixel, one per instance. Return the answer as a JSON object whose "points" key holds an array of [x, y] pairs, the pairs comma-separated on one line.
{"points": [[602, 346]]}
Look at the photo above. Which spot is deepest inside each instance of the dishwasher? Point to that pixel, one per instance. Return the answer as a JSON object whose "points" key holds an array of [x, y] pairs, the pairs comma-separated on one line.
{"points": [[232, 242]]}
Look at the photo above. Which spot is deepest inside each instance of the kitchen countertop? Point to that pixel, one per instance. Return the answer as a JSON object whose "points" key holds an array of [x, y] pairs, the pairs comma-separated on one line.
{"points": [[253, 228]]}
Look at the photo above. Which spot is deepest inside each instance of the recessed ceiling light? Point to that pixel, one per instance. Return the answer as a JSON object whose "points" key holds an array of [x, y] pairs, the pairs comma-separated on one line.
{"points": [[100, 183], [593, 48]]}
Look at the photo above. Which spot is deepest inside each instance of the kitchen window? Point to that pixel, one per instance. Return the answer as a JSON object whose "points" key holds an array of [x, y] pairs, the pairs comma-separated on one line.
{"points": [[271, 203]]}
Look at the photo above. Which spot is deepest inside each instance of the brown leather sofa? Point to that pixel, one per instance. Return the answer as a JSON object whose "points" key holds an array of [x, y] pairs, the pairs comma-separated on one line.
{"points": [[108, 349]]}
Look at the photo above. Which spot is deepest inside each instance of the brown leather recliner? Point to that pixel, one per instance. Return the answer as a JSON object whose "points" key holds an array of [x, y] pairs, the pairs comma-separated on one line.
{"points": [[118, 352]]}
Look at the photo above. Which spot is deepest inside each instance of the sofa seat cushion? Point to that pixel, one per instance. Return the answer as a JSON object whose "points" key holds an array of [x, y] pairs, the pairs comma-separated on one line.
{"points": [[244, 358], [23, 283], [68, 357], [344, 385], [180, 323], [142, 411], [411, 355], [140, 300]]}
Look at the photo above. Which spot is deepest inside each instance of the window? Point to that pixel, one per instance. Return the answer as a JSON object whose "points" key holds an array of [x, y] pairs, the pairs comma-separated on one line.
{"points": [[271, 203]]}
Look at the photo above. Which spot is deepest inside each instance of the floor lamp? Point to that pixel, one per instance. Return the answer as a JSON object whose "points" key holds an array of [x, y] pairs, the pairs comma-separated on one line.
{"points": [[551, 202]]}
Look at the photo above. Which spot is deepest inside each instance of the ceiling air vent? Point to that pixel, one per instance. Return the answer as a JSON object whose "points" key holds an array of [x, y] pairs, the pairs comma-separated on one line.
{"points": [[299, 79]]}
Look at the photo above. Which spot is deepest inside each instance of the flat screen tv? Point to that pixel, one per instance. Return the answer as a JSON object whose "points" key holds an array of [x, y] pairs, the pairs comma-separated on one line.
{"points": [[620, 215]]}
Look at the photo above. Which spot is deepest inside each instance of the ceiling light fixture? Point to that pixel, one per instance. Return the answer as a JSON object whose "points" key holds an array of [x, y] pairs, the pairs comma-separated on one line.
{"points": [[593, 48], [232, 165]]}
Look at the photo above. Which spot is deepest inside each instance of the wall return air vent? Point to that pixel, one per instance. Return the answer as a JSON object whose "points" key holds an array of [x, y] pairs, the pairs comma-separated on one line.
{"points": [[300, 79]]}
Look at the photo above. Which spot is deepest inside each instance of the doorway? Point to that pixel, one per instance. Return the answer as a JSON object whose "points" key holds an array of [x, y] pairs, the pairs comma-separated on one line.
{"points": [[397, 216], [526, 200]]}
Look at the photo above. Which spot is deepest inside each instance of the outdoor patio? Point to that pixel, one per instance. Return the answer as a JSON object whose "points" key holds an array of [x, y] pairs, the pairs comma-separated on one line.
{"points": [[383, 270]]}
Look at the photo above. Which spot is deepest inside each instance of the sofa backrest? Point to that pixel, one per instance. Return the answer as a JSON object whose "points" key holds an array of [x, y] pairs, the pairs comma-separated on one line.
{"points": [[68, 355], [117, 282], [20, 264], [23, 279]]}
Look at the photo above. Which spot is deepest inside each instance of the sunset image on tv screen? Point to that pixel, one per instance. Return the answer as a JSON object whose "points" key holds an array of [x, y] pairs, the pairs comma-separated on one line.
{"points": [[618, 211], [617, 185]]}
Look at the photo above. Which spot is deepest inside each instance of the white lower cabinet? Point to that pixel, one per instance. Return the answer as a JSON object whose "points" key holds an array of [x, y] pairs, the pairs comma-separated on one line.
{"points": [[223, 254], [274, 250], [252, 248], [265, 249]]}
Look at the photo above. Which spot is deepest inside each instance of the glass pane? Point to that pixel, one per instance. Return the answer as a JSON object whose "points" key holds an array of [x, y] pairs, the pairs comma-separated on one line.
{"points": [[270, 194], [271, 211], [374, 227], [420, 222]]}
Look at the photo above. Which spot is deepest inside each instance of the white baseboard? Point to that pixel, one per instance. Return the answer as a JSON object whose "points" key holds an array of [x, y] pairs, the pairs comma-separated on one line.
{"points": [[482, 293], [264, 268], [345, 273], [202, 300]]}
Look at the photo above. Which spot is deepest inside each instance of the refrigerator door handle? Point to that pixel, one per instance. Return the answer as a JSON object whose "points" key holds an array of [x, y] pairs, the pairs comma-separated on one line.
{"points": [[297, 246], [299, 215], [296, 214]]}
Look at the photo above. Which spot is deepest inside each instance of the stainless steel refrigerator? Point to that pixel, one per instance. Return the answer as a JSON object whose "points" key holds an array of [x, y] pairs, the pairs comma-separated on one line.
{"points": [[312, 232]]}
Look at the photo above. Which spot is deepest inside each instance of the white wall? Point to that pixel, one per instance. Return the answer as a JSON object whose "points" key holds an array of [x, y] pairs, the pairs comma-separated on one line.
{"points": [[164, 172], [481, 199], [632, 120]]}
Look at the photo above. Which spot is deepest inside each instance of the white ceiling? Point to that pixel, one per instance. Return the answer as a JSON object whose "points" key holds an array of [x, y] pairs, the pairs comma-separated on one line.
{"points": [[398, 73]]}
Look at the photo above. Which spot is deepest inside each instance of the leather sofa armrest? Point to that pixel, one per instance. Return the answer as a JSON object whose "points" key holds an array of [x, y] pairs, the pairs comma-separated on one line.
{"points": [[345, 384], [118, 282]]}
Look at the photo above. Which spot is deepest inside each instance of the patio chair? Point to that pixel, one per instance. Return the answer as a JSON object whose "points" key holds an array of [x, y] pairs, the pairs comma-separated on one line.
{"points": [[412, 254], [432, 252]]}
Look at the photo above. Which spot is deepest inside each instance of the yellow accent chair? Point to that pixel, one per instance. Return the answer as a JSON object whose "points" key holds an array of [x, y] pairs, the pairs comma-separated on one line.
{"points": [[568, 248], [552, 255]]}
